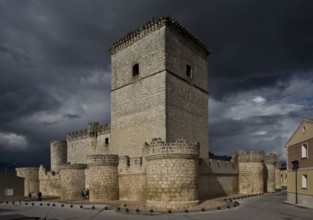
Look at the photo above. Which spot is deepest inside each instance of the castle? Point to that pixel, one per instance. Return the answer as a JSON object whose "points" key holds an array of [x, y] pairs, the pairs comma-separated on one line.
{"points": [[156, 147]]}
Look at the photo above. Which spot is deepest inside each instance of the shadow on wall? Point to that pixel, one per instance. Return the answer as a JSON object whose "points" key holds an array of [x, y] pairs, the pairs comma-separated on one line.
{"points": [[216, 179], [265, 177]]}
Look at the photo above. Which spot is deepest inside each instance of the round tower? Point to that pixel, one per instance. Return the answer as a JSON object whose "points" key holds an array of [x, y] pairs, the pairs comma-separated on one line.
{"points": [[251, 171], [270, 162], [102, 177], [58, 154], [171, 174], [31, 181], [72, 180]]}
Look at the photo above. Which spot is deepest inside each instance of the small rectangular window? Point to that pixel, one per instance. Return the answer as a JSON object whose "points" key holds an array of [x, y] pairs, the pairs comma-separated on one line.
{"points": [[136, 69], [304, 181], [8, 192], [304, 151], [189, 71]]}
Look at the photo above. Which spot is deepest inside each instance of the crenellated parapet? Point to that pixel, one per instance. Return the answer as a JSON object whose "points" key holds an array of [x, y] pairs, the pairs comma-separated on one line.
{"points": [[152, 25], [180, 148], [102, 160], [216, 167], [76, 166], [44, 174], [250, 156], [131, 165], [270, 159], [92, 131]]}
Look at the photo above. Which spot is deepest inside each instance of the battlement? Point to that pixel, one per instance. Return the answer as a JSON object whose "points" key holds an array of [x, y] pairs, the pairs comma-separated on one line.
{"points": [[23, 169], [93, 130], [270, 159], [57, 142], [44, 174], [152, 25], [213, 166], [250, 156], [180, 148], [130, 161], [103, 159], [76, 166]]}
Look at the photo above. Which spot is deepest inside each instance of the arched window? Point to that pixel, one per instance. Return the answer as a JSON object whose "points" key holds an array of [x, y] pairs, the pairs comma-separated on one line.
{"points": [[106, 140]]}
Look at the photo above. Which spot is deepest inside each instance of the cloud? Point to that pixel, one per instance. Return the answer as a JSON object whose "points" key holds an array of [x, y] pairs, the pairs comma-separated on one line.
{"points": [[55, 69], [11, 141]]}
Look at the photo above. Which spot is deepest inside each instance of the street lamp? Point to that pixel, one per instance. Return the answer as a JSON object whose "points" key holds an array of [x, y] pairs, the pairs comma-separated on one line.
{"points": [[295, 167], [8, 167]]}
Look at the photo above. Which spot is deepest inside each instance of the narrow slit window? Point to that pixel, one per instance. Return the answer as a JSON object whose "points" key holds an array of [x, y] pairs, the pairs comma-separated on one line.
{"points": [[136, 69], [189, 71]]}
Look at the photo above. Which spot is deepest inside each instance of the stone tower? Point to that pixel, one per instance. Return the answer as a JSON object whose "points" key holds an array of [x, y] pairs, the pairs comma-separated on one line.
{"points": [[172, 174], [251, 171], [159, 88], [58, 153]]}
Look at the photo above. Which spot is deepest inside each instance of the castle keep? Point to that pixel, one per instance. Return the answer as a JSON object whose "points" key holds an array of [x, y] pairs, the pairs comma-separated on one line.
{"points": [[156, 147]]}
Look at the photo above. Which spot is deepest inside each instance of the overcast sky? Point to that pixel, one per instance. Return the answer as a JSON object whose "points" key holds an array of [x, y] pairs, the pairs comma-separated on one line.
{"points": [[55, 73]]}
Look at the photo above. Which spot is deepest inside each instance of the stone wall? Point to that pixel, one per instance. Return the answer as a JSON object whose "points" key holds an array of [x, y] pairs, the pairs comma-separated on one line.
{"points": [[50, 182], [58, 154], [89, 141], [138, 102], [31, 181], [103, 177], [277, 178], [171, 174], [132, 178], [72, 181], [270, 165], [186, 96], [251, 171], [217, 178]]}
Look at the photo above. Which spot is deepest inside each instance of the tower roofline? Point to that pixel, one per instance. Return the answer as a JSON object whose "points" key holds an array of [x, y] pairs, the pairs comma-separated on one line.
{"points": [[152, 25]]}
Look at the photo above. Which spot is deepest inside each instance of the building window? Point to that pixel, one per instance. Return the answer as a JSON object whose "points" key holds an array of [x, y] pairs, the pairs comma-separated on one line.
{"points": [[106, 140], [8, 192], [136, 69], [304, 150], [305, 181], [189, 71]]}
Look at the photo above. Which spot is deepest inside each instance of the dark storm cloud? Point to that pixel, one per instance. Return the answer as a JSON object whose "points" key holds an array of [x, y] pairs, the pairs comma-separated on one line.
{"points": [[55, 69]]}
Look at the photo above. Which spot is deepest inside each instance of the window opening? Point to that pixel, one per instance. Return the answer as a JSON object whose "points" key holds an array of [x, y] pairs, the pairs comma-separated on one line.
{"points": [[304, 181], [189, 71], [136, 69], [304, 151]]}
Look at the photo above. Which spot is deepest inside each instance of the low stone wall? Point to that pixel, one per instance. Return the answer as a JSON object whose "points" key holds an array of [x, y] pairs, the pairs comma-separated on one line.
{"points": [[132, 178], [217, 178], [50, 182], [31, 181]]}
